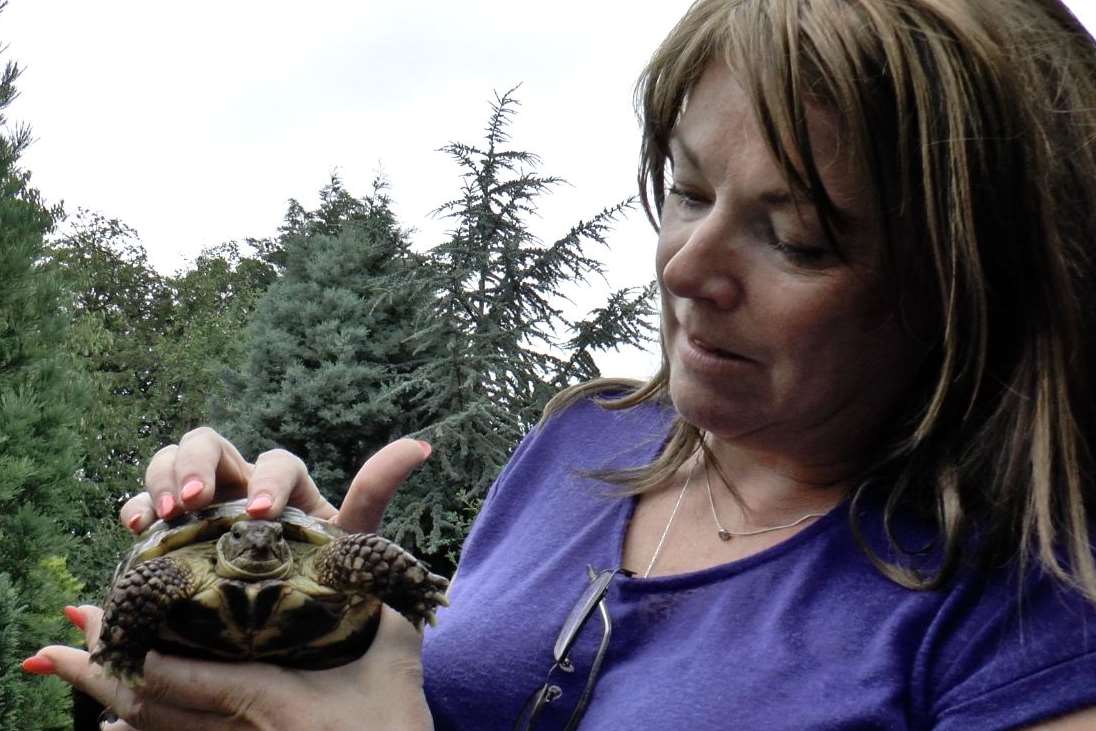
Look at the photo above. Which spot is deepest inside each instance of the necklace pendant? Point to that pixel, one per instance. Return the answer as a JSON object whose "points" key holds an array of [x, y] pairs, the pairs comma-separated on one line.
{"points": [[724, 535]]}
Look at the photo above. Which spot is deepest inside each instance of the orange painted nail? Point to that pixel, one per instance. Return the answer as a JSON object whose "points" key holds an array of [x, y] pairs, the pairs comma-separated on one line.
{"points": [[191, 490], [166, 506], [75, 616], [260, 504], [39, 665], [134, 523]]}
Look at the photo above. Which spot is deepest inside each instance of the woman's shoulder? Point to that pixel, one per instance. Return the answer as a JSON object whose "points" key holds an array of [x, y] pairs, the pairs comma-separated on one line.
{"points": [[609, 407], [593, 430], [1011, 636]]}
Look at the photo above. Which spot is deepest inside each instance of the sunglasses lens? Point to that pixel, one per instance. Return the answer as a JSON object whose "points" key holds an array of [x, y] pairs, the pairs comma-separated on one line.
{"points": [[580, 613]]}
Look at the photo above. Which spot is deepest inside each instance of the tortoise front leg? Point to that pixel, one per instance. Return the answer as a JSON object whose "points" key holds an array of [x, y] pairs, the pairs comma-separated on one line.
{"points": [[137, 605], [369, 564]]}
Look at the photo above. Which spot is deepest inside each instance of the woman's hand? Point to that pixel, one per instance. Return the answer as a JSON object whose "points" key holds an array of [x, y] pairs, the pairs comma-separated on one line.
{"points": [[382, 690], [204, 467]]}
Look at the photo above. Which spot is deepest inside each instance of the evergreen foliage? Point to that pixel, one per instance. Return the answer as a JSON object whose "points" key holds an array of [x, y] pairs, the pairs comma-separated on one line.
{"points": [[497, 318], [363, 340], [330, 339], [327, 346], [153, 348], [41, 397]]}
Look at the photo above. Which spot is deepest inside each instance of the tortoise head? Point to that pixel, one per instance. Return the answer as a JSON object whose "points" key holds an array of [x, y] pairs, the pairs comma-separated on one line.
{"points": [[253, 549]]}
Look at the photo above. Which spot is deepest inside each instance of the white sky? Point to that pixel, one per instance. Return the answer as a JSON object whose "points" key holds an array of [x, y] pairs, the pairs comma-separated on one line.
{"points": [[195, 122]]}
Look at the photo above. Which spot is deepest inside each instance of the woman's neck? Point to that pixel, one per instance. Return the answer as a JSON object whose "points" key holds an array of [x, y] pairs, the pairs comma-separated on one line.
{"points": [[772, 488]]}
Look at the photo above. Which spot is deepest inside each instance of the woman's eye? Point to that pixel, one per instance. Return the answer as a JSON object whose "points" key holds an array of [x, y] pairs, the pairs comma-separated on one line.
{"points": [[687, 199], [799, 254]]}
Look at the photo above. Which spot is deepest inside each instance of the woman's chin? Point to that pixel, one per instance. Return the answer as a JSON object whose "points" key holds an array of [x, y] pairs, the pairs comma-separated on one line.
{"points": [[717, 411]]}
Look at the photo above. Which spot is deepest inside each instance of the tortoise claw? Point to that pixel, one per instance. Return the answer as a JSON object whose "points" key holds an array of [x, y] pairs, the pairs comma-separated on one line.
{"points": [[133, 613], [368, 563]]}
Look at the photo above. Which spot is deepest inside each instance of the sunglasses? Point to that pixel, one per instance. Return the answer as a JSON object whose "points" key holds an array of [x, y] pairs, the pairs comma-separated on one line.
{"points": [[592, 598]]}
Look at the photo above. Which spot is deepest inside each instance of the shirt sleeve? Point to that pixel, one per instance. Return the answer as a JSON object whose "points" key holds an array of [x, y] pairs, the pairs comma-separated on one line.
{"points": [[1006, 655]]}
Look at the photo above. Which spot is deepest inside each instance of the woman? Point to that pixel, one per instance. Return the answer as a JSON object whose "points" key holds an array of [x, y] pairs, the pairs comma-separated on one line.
{"points": [[855, 496]]}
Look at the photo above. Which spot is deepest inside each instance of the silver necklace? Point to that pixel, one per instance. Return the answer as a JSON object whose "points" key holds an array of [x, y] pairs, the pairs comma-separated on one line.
{"points": [[724, 534], [673, 513]]}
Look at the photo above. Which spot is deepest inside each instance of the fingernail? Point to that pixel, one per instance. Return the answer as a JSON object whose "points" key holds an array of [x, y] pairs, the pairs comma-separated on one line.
{"points": [[259, 504], [191, 490], [426, 448], [39, 665], [166, 506], [75, 616], [134, 523]]}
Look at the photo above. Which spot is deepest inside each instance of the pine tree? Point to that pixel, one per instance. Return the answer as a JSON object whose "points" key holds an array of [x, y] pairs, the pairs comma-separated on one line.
{"points": [[499, 321], [327, 349], [41, 395], [362, 340]]}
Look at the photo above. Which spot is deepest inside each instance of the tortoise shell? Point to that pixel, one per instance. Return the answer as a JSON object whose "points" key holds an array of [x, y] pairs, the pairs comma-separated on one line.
{"points": [[297, 591], [211, 522]]}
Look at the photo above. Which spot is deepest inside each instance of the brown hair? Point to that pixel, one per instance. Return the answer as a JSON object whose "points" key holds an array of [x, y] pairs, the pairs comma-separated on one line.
{"points": [[975, 122]]}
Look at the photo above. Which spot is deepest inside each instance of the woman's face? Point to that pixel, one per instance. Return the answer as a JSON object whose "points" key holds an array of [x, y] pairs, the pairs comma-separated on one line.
{"points": [[772, 338]]}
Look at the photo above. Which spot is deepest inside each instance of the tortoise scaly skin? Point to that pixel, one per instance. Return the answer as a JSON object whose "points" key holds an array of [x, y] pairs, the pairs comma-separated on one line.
{"points": [[297, 592]]}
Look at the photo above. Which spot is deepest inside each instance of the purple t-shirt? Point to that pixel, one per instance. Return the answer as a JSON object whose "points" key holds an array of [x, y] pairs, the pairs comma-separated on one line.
{"points": [[804, 635]]}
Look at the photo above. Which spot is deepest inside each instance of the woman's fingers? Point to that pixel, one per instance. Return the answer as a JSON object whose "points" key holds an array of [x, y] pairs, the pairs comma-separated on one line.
{"points": [[75, 668], [178, 693], [206, 463], [280, 477], [205, 698], [88, 619], [204, 466], [372, 488], [137, 514]]}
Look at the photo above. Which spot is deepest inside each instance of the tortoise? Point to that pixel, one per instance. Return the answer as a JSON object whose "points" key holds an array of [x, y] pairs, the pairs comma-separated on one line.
{"points": [[296, 591]]}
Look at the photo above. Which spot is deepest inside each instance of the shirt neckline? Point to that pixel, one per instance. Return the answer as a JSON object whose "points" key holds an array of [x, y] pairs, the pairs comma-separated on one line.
{"points": [[626, 511]]}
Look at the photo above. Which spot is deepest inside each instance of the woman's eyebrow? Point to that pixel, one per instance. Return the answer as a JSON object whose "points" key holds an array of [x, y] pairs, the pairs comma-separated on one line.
{"points": [[776, 198], [783, 199], [686, 152], [843, 217]]}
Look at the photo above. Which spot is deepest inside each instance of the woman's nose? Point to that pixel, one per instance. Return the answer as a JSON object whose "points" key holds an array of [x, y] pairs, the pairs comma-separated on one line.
{"points": [[702, 262]]}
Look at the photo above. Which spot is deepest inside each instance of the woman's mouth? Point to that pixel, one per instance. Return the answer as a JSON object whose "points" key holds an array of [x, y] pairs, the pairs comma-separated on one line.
{"points": [[709, 349]]}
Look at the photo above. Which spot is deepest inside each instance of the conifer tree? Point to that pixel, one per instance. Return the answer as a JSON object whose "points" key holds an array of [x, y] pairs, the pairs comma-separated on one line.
{"points": [[327, 349], [363, 340], [41, 395], [498, 319]]}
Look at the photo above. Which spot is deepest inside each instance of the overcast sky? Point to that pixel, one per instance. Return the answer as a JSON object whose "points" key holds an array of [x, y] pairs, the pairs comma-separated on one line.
{"points": [[195, 122]]}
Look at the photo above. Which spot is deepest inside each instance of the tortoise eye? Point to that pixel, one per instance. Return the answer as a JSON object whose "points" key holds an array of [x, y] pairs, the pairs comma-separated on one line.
{"points": [[237, 529]]}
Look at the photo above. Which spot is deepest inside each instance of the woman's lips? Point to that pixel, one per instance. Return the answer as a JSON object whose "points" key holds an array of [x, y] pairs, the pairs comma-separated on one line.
{"points": [[700, 356], [712, 350]]}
